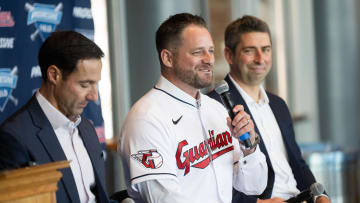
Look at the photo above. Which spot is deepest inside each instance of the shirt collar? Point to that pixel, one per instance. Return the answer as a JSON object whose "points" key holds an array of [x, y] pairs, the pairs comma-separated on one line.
{"points": [[264, 99], [56, 118], [170, 88]]}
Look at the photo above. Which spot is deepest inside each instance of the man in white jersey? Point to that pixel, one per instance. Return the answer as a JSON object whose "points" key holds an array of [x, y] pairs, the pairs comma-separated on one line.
{"points": [[178, 145], [49, 127], [249, 54]]}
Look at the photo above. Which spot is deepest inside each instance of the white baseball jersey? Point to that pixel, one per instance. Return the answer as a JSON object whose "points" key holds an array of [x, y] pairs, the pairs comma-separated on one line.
{"points": [[170, 135]]}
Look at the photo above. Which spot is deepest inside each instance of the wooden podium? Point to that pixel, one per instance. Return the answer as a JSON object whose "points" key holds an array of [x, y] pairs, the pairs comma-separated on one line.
{"points": [[31, 184]]}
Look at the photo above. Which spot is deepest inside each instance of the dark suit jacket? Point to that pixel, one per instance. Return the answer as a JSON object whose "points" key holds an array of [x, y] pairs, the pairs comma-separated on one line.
{"points": [[302, 173], [27, 136]]}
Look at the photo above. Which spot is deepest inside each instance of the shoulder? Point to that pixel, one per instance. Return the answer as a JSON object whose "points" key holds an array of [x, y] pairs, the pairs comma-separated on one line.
{"points": [[149, 112], [273, 98], [85, 121], [148, 122], [279, 107], [18, 121], [87, 126], [152, 103], [15, 133]]}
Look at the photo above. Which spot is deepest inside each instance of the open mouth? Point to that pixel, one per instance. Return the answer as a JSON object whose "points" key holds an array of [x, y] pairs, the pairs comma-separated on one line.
{"points": [[205, 70]]}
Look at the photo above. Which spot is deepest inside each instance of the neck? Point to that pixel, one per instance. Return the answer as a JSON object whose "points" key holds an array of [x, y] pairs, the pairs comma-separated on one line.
{"points": [[46, 92], [252, 90]]}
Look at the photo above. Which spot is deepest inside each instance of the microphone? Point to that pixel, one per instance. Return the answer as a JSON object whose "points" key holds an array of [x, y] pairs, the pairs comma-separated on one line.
{"points": [[222, 88], [314, 190]]}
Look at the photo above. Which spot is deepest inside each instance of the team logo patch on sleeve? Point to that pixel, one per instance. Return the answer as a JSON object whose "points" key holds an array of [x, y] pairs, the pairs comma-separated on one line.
{"points": [[149, 158]]}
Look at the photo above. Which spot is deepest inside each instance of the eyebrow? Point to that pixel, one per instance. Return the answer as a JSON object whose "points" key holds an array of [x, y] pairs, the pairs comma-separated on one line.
{"points": [[212, 47], [254, 47], [87, 81]]}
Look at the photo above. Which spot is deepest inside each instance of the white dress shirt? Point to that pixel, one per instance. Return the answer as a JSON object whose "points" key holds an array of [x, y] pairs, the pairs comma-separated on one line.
{"points": [[68, 135], [285, 183]]}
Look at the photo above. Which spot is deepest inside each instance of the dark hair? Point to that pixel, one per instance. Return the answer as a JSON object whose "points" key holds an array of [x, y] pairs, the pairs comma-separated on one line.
{"points": [[241, 26], [169, 32], [64, 49]]}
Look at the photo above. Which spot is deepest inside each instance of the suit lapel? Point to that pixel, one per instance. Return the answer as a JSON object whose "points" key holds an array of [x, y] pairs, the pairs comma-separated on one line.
{"points": [[282, 122], [91, 143], [50, 142], [276, 109]]}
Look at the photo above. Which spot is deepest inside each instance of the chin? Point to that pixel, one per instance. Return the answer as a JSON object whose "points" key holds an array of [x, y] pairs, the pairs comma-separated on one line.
{"points": [[204, 84], [207, 79], [78, 112]]}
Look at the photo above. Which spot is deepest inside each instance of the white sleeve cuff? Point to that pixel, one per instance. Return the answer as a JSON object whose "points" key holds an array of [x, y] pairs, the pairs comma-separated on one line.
{"points": [[251, 173]]}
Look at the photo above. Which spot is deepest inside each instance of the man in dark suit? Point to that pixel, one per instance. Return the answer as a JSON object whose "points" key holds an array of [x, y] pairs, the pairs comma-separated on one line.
{"points": [[248, 51], [49, 127]]}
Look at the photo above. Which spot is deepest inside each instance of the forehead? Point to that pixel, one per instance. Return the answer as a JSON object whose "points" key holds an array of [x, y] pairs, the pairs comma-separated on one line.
{"points": [[87, 69], [194, 36], [257, 39]]}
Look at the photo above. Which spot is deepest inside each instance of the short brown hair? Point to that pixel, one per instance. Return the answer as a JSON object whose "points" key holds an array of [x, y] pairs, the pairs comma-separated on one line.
{"points": [[64, 49], [169, 32], [241, 26]]}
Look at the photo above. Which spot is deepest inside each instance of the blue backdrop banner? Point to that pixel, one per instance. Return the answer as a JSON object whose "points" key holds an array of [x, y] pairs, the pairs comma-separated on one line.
{"points": [[24, 25]]}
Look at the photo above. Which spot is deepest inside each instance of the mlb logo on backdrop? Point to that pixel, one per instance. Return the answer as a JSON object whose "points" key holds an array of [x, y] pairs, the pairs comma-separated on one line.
{"points": [[6, 20], [8, 81], [45, 17]]}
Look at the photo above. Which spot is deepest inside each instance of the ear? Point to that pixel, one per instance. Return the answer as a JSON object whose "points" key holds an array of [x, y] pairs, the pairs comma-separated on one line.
{"points": [[54, 74], [229, 56], [167, 58]]}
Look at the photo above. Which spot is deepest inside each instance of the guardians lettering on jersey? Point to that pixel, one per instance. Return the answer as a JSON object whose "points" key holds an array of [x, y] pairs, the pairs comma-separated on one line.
{"points": [[192, 155]]}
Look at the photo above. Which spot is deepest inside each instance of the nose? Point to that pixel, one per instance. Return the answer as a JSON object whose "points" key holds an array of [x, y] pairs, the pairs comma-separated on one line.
{"points": [[208, 58], [259, 57], [93, 94]]}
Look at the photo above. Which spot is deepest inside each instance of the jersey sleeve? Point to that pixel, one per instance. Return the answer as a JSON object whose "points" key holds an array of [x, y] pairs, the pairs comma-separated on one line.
{"points": [[161, 191], [147, 151]]}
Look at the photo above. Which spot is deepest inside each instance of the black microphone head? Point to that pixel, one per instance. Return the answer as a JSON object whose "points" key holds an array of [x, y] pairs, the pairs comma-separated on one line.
{"points": [[316, 189], [222, 87]]}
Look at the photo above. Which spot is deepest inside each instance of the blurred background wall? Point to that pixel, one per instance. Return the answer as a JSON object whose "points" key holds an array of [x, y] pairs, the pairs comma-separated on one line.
{"points": [[315, 69]]}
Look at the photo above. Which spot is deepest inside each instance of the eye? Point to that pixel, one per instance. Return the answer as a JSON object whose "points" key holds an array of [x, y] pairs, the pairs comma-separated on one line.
{"points": [[266, 49], [196, 52], [84, 84], [249, 51]]}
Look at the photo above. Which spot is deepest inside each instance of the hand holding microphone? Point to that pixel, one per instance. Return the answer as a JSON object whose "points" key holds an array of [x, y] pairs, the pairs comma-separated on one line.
{"points": [[242, 126], [241, 122]]}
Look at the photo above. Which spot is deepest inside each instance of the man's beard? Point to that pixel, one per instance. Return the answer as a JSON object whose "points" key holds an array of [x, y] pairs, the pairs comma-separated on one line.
{"points": [[191, 78]]}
